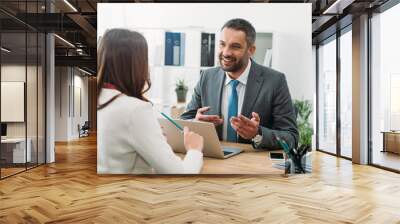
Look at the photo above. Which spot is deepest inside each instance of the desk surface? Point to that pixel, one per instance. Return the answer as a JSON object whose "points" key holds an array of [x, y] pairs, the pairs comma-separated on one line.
{"points": [[391, 132], [13, 140], [250, 161]]}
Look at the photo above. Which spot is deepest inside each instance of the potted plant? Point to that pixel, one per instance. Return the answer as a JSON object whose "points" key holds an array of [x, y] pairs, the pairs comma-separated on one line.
{"points": [[303, 110], [181, 90]]}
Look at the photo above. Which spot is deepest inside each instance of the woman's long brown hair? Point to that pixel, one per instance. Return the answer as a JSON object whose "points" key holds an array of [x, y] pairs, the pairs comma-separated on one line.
{"points": [[123, 62]]}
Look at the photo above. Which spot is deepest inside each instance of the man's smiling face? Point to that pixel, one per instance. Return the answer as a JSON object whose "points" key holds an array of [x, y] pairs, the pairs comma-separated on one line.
{"points": [[234, 51]]}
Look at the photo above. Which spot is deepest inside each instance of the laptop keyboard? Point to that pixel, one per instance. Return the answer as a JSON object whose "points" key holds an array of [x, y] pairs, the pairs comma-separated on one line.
{"points": [[227, 153]]}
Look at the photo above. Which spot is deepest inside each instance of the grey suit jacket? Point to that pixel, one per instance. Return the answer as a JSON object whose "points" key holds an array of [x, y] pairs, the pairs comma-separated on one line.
{"points": [[266, 93]]}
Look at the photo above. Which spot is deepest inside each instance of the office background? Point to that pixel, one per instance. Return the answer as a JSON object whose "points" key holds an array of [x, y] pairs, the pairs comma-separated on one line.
{"points": [[39, 108], [68, 189], [29, 47], [22, 77], [290, 37], [366, 46]]}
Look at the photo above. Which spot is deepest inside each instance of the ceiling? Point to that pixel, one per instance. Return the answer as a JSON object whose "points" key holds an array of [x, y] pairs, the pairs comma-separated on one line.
{"points": [[76, 22]]}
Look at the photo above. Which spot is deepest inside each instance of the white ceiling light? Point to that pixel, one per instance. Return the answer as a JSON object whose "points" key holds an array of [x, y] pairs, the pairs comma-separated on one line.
{"points": [[65, 41], [86, 72], [70, 5], [337, 7], [5, 50]]}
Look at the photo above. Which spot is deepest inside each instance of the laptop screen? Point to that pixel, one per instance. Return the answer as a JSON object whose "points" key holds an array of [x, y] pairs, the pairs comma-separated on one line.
{"points": [[3, 129]]}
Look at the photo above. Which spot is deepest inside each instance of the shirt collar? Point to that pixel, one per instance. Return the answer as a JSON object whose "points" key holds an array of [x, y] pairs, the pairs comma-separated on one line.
{"points": [[242, 78]]}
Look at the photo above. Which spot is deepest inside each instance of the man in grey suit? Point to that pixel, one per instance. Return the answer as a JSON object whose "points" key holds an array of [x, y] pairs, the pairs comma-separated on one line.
{"points": [[247, 102]]}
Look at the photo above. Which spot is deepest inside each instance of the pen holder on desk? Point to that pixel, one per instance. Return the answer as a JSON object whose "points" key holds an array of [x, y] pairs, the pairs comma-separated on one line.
{"points": [[296, 159], [298, 164]]}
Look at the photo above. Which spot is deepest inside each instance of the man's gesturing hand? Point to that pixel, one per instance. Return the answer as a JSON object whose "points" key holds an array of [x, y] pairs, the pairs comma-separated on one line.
{"points": [[246, 128], [208, 118]]}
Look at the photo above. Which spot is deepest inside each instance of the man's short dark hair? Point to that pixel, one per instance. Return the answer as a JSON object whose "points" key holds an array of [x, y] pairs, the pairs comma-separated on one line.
{"points": [[245, 26]]}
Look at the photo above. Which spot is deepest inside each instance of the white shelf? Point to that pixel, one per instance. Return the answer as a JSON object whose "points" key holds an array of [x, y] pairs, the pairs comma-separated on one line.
{"points": [[164, 76]]}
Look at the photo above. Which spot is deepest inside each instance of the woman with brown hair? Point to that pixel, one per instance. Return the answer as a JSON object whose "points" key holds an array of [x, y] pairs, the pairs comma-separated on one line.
{"points": [[129, 137]]}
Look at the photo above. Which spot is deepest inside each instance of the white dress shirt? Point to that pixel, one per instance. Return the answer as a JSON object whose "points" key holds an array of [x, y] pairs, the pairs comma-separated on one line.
{"points": [[130, 140], [226, 92]]}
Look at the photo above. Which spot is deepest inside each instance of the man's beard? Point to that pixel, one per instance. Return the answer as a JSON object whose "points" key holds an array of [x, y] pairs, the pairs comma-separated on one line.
{"points": [[236, 64]]}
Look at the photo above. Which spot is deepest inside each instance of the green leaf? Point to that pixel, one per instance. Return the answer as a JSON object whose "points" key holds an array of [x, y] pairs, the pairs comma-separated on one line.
{"points": [[303, 112]]}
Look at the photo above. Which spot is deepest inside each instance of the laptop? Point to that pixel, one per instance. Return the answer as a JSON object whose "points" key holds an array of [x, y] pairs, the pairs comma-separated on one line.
{"points": [[212, 146]]}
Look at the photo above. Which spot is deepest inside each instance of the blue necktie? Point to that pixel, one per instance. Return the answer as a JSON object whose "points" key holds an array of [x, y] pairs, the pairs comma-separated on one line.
{"points": [[232, 111]]}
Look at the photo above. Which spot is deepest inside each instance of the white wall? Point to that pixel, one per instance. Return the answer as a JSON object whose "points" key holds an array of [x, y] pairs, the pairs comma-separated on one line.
{"points": [[67, 115], [61, 103], [290, 24], [80, 84], [263, 42], [12, 99], [17, 73], [33, 126]]}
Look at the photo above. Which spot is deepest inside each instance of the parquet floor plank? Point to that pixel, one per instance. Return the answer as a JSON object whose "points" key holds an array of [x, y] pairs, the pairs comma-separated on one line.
{"points": [[70, 191]]}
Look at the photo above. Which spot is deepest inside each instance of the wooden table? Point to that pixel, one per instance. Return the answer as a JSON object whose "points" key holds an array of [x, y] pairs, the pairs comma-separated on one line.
{"points": [[14, 152], [250, 161], [391, 141]]}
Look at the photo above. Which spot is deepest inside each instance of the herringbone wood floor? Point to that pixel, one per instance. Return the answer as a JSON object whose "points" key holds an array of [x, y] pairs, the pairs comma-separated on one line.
{"points": [[70, 191]]}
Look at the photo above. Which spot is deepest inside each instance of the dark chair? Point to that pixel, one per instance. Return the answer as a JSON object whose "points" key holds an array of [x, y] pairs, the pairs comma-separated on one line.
{"points": [[84, 130], [296, 111]]}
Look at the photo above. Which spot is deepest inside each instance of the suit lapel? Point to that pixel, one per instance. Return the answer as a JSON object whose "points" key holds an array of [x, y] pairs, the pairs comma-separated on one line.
{"points": [[254, 83], [219, 83]]}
